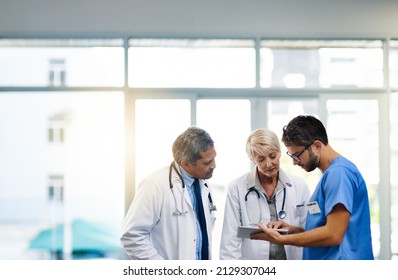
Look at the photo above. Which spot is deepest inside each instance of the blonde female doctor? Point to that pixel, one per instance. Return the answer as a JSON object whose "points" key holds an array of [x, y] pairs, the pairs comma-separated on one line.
{"points": [[264, 194], [172, 214]]}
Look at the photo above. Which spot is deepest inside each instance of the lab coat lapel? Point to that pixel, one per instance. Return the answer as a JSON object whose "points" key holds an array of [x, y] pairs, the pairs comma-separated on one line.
{"points": [[179, 186]]}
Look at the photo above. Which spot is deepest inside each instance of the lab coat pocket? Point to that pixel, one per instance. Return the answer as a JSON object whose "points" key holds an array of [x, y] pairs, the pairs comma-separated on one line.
{"points": [[300, 211]]}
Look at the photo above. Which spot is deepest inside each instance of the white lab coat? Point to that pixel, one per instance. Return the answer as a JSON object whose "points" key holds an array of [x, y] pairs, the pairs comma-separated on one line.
{"points": [[237, 212], [152, 232]]}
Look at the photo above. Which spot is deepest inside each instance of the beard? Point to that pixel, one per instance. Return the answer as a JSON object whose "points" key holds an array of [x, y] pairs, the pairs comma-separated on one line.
{"points": [[312, 163]]}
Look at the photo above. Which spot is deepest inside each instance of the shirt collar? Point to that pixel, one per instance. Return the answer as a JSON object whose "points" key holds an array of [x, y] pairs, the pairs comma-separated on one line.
{"points": [[253, 181], [188, 179]]}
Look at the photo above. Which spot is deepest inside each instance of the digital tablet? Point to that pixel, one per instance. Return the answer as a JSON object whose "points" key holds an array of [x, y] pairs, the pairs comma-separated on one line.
{"points": [[245, 231]]}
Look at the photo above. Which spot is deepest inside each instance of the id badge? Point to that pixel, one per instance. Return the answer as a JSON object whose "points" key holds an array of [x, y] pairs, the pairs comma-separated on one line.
{"points": [[313, 208]]}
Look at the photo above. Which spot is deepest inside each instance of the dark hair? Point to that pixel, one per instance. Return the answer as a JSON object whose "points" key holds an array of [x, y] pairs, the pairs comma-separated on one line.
{"points": [[304, 130], [190, 144]]}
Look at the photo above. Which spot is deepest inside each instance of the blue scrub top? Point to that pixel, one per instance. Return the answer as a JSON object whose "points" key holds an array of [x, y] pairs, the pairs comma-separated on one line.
{"points": [[342, 183]]}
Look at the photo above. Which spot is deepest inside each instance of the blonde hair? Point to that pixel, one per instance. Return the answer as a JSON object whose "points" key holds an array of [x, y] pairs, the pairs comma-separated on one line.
{"points": [[260, 141]]}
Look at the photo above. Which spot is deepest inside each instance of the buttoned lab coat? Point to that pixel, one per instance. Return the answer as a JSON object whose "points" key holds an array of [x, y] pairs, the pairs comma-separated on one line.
{"points": [[237, 212], [151, 230]]}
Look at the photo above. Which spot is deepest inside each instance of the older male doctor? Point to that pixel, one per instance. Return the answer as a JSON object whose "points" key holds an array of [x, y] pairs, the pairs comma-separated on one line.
{"points": [[172, 215]]}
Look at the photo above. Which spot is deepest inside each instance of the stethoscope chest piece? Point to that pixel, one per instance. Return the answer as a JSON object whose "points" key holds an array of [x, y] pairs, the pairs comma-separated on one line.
{"points": [[282, 214]]}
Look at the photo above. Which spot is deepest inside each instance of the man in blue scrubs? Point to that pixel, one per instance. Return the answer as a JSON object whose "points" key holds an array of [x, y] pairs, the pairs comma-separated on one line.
{"points": [[338, 218]]}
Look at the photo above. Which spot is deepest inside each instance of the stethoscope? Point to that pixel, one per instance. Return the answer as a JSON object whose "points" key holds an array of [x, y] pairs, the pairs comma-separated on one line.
{"points": [[281, 213], [212, 206]]}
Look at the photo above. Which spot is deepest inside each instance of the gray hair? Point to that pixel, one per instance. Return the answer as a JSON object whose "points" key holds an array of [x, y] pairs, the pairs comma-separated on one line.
{"points": [[190, 144], [260, 141]]}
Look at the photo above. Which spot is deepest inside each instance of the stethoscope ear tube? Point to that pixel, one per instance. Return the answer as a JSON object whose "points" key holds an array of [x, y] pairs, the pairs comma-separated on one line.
{"points": [[282, 212], [178, 212]]}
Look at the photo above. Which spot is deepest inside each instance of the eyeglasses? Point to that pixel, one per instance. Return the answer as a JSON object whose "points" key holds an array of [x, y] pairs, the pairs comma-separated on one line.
{"points": [[296, 156]]}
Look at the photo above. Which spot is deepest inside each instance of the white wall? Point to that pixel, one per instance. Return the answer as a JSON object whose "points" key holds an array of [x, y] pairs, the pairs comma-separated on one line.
{"points": [[274, 18]]}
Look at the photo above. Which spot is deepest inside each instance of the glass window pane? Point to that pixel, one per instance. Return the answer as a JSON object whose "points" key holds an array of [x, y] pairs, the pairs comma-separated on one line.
{"points": [[393, 63], [70, 63], [394, 175], [192, 63], [353, 130], [324, 64], [158, 123], [229, 130], [64, 183]]}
